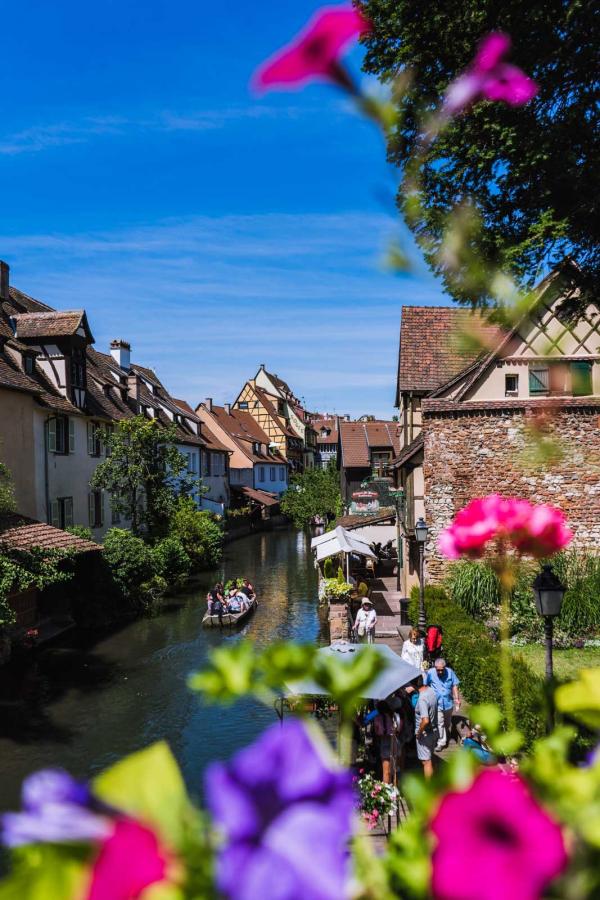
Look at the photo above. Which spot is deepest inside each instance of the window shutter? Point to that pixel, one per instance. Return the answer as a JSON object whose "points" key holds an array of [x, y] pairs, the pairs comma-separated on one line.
{"points": [[539, 380], [68, 508], [581, 378], [101, 503], [71, 436], [91, 509], [52, 435], [90, 434], [55, 514]]}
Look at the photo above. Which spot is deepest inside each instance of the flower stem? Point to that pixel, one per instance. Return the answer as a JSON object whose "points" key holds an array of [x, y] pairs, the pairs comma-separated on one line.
{"points": [[505, 654], [345, 741]]}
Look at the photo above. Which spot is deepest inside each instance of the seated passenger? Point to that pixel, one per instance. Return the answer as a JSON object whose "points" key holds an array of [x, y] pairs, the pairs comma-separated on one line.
{"points": [[248, 589]]}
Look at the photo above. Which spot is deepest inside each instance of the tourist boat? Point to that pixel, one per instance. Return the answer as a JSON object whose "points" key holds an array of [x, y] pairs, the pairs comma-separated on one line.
{"points": [[229, 619]]}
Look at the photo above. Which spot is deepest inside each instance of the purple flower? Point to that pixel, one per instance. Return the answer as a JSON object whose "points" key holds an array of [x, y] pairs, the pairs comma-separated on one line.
{"points": [[56, 808], [286, 816], [489, 78]]}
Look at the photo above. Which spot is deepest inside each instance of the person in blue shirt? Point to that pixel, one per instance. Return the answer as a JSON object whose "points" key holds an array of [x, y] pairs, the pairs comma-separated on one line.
{"points": [[445, 683]]}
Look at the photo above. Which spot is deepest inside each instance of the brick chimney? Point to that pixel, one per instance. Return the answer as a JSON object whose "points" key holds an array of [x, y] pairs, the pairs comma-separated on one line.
{"points": [[121, 353], [4, 280], [133, 386], [208, 403], [228, 408]]}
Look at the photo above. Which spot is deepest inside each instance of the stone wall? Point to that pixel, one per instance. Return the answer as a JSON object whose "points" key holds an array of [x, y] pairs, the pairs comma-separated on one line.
{"points": [[472, 453]]}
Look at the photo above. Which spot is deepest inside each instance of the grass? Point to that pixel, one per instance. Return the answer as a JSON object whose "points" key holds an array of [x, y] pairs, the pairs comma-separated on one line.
{"points": [[567, 663]]}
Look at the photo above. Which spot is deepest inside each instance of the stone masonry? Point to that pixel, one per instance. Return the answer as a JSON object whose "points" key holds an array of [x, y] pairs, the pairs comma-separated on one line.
{"points": [[470, 453]]}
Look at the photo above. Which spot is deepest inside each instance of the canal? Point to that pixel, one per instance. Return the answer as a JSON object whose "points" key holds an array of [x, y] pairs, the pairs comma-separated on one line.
{"points": [[82, 704]]}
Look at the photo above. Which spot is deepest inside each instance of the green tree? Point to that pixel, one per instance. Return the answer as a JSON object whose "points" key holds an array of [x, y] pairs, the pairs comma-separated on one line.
{"points": [[315, 492], [531, 172], [199, 531], [144, 473], [7, 496]]}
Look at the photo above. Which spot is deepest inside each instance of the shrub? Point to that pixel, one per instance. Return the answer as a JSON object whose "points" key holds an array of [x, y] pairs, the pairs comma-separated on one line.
{"points": [[470, 651], [340, 575], [474, 586], [171, 561], [363, 590], [200, 532], [328, 568], [81, 531], [334, 589], [132, 566]]}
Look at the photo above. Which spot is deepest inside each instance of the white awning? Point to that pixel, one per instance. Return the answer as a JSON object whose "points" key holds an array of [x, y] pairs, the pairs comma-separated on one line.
{"points": [[340, 541]]}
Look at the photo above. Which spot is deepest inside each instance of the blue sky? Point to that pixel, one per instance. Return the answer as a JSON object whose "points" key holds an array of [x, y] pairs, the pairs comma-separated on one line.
{"points": [[213, 230]]}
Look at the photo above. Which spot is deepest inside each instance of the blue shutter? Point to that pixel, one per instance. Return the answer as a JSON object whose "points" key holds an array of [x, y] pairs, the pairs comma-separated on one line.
{"points": [[581, 378]]}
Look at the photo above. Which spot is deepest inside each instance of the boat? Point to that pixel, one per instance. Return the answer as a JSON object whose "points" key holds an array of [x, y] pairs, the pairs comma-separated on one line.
{"points": [[229, 619]]}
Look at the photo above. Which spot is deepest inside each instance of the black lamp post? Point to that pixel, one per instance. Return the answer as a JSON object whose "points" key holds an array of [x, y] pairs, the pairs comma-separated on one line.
{"points": [[421, 538], [548, 593]]}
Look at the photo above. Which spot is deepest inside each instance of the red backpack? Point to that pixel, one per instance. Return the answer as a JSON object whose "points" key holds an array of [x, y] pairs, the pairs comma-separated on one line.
{"points": [[433, 638]]}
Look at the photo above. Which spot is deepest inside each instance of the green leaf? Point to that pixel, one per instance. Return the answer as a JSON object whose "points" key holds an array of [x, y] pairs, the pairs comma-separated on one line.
{"points": [[508, 742], [231, 674], [149, 786], [47, 872], [347, 682], [581, 698]]}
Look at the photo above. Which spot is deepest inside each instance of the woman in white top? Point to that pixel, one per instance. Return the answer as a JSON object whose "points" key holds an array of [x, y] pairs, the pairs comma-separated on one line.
{"points": [[412, 649], [366, 619]]}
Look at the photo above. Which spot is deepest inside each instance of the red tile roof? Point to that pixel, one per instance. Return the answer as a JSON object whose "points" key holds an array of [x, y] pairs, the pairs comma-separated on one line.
{"points": [[359, 438], [22, 533], [327, 424], [243, 428], [48, 324], [264, 498], [430, 352]]}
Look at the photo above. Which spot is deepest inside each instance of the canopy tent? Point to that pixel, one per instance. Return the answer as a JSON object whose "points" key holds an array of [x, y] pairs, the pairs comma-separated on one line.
{"points": [[396, 674], [339, 541]]}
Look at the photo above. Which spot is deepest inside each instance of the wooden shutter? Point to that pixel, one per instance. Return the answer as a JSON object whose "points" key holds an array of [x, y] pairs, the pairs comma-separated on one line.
{"points": [[68, 511], [71, 435], [90, 435], [91, 509], [101, 510], [52, 435], [539, 379], [581, 378], [55, 513]]}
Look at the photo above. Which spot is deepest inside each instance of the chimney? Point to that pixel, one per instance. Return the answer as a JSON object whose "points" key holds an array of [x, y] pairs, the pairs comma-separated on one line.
{"points": [[133, 387], [262, 366], [347, 417], [208, 403], [121, 353], [4, 280], [228, 408]]}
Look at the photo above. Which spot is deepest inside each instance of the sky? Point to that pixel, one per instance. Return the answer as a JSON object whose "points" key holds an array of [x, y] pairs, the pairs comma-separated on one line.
{"points": [[213, 230]]}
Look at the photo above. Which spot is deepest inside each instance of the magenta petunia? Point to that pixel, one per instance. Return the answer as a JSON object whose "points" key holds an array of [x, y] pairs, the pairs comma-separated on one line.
{"points": [[315, 52], [494, 842], [538, 531], [128, 862], [489, 78]]}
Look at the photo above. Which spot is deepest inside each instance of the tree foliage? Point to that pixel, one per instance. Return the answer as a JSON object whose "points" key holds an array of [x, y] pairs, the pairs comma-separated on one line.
{"points": [[315, 492], [22, 569], [200, 533], [531, 172], [7, 496], [144, 473]]}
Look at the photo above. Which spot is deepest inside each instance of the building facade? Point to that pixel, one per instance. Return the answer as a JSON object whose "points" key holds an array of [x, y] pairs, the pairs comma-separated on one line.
{"points": [[365, 450]]}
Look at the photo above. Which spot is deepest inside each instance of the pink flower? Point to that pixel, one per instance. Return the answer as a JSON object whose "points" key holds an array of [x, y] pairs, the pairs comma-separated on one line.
{"points": [[314, 53], [536, 530], [494, 841], [489, 78], [129, 861]]}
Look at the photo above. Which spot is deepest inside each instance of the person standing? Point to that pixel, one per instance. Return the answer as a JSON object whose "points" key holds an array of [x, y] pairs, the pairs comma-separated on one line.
{"points": [[426, 717], [445, 683], [413, 649], [366, 620]]}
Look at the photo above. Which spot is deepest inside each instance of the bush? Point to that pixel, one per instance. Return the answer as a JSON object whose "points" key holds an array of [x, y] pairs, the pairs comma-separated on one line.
{"points": [[81, 531], [363, 590], [132, 567], [334, 589], [328, 568], [200, 532], [340, 575], [470, 651], [172, 562]]}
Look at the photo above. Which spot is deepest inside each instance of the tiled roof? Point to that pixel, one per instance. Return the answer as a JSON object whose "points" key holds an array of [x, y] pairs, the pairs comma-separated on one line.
{"points": [[408, 452], [474, 406], [147, 373], [12, 377], [358, 438], [331, 424], [22, 533], [430, 353], [264, 498], [24, 303], [352, 522], [48, 324], [244, 431]]}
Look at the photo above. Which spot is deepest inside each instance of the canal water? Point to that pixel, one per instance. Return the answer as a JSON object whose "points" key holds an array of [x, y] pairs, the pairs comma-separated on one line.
{"points": [[82, 704]]}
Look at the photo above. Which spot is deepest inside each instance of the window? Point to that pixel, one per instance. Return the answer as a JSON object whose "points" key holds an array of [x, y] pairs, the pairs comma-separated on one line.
{"points": [[282, 472], [511, 385], [61, 435], [539, 380], [272, 473], [29, 365], [261, 473], [280, 407], [94, 439], [218, 464], [206, 460], [61, 512], [243, 404], [96, 509], [581, 378]]}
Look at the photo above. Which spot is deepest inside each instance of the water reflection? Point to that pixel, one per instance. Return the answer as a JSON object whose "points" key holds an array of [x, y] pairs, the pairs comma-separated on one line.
{"points": [[83, 704]]}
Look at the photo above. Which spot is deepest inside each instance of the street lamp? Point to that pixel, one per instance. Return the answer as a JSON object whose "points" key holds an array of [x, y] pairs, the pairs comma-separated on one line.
{"points": [[549, 593], [421, 537]]}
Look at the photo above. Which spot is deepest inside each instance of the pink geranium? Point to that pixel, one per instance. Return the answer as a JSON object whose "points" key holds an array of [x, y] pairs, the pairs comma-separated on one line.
{"points": [[129, 861], [314, 54], [538, 531], [489, 78], [494, 842]]}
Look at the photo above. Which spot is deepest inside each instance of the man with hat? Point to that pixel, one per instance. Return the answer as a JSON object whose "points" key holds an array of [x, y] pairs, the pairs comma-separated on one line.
{"points": [[366, 619]]}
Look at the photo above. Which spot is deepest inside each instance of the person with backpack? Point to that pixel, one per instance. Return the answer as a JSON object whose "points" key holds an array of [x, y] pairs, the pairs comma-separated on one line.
{"points": [[445, 683]]}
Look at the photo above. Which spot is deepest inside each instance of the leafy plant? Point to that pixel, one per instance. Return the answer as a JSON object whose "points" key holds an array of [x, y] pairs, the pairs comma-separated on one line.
{"points": [[376, 799], [36, 567], [334, 589], [315, 492], [7, 495], [340, 575], [200, 533], [171, 561], [328, 568], [132, 566], [80, 531]]}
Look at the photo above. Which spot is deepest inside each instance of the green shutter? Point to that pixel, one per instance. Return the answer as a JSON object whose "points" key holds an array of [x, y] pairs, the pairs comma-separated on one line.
{"points": [[68, 508], [539, 380], [55, 514], [71, 436], [581, 378], [91, 510], [52, 435], [90, 434]]}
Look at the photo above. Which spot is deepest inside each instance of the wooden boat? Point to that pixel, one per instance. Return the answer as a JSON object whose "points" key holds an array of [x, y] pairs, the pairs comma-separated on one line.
{"points": [[229, 619]]}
